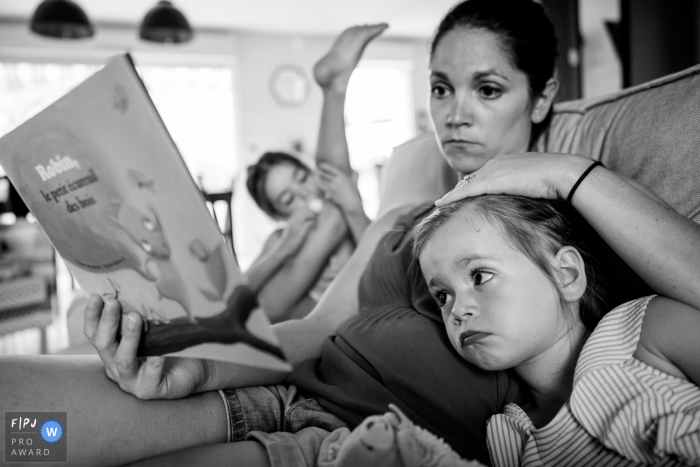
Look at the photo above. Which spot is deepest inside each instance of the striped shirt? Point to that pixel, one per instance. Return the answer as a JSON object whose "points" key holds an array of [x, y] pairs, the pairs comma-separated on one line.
{"points": [[622, 412]]}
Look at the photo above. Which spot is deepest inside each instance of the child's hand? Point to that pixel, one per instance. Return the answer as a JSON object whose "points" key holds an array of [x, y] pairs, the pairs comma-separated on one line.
{"points": [[146, 378], [341, 188], [298, 227]]}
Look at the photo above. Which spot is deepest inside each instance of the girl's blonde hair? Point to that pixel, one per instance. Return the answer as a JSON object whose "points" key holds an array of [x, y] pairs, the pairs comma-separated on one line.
{"points": [[535, 227]]}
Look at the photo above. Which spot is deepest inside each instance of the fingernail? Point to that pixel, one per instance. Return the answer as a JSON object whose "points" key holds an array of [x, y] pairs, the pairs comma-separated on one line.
{"points": [[131, 322]]}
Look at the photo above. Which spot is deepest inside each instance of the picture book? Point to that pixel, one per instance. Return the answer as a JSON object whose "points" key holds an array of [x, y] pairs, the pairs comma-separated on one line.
{"points": [[104, 179]]}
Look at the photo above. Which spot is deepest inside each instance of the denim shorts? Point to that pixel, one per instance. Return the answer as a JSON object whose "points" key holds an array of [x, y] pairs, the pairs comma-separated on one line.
{"points": [[289, 426]]}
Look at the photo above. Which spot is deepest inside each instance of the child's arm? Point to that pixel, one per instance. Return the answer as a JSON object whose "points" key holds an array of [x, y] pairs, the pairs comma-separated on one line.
{"points": [[669, 339]]}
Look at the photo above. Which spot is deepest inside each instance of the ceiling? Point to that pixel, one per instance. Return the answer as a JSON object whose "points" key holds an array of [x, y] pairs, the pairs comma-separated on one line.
{"points": [[407, 18]]}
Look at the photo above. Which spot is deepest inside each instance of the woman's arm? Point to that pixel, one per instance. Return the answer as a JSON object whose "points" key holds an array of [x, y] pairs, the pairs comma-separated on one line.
{"points": [[660, 245], [106, 426]]}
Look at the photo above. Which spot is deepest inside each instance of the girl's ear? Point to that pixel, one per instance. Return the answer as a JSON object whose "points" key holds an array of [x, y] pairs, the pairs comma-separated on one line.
{"points": [[570, 273], [543, 102]]}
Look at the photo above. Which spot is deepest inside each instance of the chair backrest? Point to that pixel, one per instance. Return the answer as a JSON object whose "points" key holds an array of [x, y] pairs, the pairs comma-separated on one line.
{"points": [[650, 133]]}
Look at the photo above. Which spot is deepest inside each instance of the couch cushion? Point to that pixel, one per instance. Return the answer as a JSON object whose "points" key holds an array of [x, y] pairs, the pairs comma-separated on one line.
{"points": [[650, 133]]}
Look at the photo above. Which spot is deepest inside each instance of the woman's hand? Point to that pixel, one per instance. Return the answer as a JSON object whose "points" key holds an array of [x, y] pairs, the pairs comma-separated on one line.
{"points": [[146, 378], [533, 175], [297, 229], [341, 188]]}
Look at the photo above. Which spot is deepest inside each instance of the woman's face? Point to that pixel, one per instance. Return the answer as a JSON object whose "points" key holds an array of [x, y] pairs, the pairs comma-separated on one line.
{"points": [[289, 187], [479, 103], [500, 311]]}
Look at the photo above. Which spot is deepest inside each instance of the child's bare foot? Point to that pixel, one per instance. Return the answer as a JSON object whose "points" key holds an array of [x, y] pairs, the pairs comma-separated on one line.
{"points": [[333, 70]]}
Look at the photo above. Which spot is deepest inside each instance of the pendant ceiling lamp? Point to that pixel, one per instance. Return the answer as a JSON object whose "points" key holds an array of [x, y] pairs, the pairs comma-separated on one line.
{"points": [[61, 18], [165, 24]]}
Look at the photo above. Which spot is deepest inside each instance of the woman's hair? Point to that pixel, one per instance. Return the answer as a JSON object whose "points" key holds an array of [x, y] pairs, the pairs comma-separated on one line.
{"points": [[535, 227], [525, 31], [257, 178]]}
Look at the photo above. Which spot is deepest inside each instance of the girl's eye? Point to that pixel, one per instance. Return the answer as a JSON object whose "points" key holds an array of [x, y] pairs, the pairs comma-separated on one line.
{"points": [[440, 91], [148, 224], [441, 298], [490, 92], [481, 277]]}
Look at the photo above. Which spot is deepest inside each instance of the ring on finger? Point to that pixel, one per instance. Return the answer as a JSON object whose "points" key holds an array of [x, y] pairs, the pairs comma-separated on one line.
{"points": [[469, 178]]}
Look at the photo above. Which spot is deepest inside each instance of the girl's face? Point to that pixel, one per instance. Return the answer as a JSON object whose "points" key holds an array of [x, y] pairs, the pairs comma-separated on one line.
{"points": [[289, 187], [479, 103], [499, 309]]}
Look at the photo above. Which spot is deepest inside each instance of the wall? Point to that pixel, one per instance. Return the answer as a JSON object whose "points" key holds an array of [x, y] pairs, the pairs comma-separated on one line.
{"points": [[602, 70], [262, 122], [663, 38]]}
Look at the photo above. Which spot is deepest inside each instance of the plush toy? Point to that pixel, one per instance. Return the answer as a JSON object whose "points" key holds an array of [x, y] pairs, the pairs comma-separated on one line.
{"points": [[389, 440]]}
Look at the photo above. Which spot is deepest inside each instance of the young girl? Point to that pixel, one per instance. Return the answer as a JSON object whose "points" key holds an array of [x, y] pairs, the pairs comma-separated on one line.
{"points": [[519, 287], [286, 189], [289, 284]]}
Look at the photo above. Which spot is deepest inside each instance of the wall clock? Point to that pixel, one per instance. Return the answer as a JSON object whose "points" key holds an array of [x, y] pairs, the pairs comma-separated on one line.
{"points": [[289, 85]]}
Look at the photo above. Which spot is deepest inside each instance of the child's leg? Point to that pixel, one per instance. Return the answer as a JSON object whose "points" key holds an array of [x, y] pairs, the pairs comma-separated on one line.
{"points": [[333, 70], [332, 73], [107, 426], [244, 453]]}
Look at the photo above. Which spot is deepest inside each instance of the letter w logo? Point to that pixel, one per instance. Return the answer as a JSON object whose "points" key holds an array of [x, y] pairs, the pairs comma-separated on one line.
{"points": [[52, 432]]}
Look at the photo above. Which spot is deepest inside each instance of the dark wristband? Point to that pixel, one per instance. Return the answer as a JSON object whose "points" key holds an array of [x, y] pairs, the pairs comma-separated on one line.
{"points": [[580, 179]]}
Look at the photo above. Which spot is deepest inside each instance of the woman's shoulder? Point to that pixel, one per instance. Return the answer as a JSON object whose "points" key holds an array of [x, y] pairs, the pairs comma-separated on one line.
{"points": [[668, 340]]}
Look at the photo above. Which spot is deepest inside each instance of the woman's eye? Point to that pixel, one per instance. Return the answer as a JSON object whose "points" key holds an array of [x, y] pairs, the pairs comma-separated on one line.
{"points": [[440, 91], [481, 277], [490, 92]]}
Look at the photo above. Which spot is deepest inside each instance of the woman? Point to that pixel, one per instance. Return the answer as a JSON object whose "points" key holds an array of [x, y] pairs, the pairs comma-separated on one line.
{"points": [[357, 352]]}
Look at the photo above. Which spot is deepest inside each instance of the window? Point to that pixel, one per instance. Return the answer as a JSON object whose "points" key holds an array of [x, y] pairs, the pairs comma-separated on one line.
{"points": [[379, 115], [206, 142]]}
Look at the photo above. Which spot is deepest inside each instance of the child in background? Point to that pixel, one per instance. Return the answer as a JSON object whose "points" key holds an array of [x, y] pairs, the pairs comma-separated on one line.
{"points": [[310, 201]]}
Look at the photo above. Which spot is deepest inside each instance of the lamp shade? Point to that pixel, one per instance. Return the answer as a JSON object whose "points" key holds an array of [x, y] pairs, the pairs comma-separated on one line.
{"points": [[166, 24], [61, 18]]}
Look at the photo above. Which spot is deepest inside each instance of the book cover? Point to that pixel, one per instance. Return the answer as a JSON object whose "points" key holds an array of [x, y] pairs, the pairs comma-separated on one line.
{"points": [[104, 179]]}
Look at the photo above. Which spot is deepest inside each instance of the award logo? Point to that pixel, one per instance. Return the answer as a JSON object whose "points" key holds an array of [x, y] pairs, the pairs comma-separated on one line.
{"points": [[36, 437]]}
